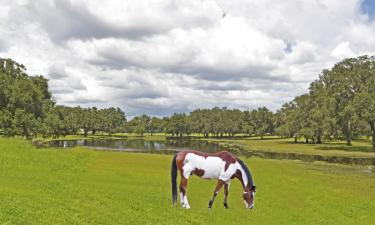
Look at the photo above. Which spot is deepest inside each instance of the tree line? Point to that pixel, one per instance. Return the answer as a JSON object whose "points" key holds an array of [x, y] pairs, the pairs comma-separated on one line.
{"points": [[339, 104], [215, 122]]}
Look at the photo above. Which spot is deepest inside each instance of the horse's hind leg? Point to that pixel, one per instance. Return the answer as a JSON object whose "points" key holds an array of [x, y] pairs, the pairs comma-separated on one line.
{"points": [[217, 189], [226, 190], [183, 197]]}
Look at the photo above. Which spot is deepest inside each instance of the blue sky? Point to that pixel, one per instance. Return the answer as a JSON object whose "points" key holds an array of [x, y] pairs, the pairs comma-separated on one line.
{"points": [[368, 7], [163, 56]]}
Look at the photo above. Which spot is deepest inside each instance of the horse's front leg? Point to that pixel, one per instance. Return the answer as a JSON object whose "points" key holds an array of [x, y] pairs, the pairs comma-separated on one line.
{"points": [[219, 184], [183, 196], [226, 190]]}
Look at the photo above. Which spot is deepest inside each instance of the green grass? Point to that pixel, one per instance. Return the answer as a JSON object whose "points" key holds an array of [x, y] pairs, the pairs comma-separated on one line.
{"points": [[79, 186], [359, 148]]}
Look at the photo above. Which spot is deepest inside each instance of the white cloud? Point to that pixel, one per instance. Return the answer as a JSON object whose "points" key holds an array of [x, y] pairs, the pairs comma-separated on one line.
{"points": [[160, 57], [343, 50]]}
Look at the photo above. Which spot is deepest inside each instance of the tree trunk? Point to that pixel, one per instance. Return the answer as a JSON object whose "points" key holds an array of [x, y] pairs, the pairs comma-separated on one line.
{"points": [[295, 139], [348, 134], [319, 141], [85, 131], [307, 141], [372, 125], [348, 141]]}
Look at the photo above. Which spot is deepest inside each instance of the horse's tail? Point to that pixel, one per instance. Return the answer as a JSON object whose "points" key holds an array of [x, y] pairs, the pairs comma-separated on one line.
{"points": [[174, 180]]}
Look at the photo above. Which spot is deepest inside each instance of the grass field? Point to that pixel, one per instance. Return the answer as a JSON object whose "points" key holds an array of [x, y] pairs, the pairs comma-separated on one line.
{"points": [[79, 186], [359, 148]]}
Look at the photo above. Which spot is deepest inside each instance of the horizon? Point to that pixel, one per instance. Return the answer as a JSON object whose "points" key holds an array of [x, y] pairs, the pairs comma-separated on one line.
{"points": [[175, 56]]}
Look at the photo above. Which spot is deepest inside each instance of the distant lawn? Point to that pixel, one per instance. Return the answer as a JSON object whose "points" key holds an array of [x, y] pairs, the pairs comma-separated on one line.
{"points": [[276, 144], [79, 186]]}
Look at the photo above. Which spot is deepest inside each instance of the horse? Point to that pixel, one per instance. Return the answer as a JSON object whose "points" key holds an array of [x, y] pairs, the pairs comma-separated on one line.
{"points": [[222, 166]]}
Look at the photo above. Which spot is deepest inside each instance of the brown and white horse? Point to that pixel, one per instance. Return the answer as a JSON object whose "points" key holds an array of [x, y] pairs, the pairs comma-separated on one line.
{"points": [[222, 166]]}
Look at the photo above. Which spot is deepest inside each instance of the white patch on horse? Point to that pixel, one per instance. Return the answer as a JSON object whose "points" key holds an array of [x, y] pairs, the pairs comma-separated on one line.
{"points": [[182, 198], [187, 206], [214, 167]]}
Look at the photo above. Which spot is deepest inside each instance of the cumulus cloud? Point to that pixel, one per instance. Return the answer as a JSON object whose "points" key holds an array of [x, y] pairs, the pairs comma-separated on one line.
{"points": [[64, 19], [343, 50], [165, 56]]}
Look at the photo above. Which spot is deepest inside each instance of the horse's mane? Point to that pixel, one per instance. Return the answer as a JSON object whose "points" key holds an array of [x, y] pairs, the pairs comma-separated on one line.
{"points": [[247, 171]]}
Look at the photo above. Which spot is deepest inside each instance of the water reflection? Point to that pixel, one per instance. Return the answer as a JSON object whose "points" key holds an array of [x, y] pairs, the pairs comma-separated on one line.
{"points": [[175, 145], [138, 145]]}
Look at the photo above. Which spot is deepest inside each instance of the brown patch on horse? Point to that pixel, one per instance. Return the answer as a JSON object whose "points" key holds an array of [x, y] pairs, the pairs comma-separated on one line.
{"points": [[180, 161], [226, 166], [227, 157], [238, 175], [198, 172]]}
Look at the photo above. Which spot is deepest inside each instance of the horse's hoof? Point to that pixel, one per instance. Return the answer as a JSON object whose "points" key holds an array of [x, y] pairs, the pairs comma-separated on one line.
{"points": [[226, 206]]}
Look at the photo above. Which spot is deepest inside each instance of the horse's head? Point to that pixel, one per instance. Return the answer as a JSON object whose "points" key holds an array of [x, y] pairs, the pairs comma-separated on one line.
{"points": [[248, 197]]}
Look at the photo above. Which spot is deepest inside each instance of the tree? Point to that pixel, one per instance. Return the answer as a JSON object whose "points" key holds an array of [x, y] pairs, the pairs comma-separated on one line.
{"points": [[176, 124], [364, 101], [303, 116], [22, 99], [25, 123], [140, 125], [115, 120], [286, 121], [345, 84], [262, 121]]}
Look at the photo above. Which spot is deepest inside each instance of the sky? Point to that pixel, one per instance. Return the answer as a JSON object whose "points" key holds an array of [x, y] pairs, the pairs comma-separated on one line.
{"points": [[163, 56]]}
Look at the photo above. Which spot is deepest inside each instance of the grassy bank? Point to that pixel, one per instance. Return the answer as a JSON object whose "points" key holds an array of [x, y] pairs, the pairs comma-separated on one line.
{"points": [[287, 145], [79, 186]]}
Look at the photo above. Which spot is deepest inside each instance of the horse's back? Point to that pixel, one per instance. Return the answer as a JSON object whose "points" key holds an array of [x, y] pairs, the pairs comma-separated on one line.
{"points": [[200, 153]]}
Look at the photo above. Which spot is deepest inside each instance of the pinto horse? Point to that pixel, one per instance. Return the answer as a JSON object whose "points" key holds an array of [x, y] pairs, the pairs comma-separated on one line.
{"points": [[222, 166]]}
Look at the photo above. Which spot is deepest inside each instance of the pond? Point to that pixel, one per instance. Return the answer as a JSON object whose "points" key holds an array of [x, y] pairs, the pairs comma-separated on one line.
{"points": [[171, 146], [138, 145]]}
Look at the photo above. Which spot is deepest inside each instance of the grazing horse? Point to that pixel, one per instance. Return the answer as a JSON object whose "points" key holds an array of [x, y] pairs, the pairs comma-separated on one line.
{"points": [[222, 166]]}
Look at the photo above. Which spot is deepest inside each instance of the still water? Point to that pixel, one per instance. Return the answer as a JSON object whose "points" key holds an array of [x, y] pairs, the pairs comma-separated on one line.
{"points": [[174, 145], [139, 145]]}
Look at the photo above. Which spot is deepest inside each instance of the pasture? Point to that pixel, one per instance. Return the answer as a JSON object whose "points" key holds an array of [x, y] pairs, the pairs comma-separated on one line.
{"points": [[80, 186]]}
